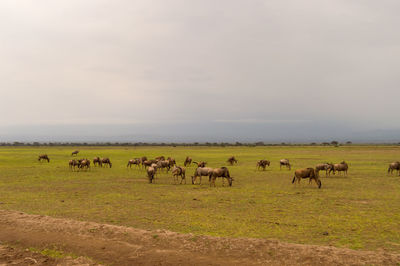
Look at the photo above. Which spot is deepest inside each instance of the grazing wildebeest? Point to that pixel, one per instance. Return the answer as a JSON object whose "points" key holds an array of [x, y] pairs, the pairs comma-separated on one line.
{"points": [[284, 162], [188, 161], [144, 158], [394, 166], [74, 153], [151, 171], [324, 166], [307, 173], [147, 163], [262, 164], [97, 160], [231, 160], [220, 172], [84, 163], [135, 161], [340, 167], [179, 171], [200, 164], [73, 164], [43, 157], [106, 161], [199, 172], [163, 165]]}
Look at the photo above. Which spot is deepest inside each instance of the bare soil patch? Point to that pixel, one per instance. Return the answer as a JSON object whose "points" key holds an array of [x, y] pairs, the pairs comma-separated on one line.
{"points": [[118, 245]]}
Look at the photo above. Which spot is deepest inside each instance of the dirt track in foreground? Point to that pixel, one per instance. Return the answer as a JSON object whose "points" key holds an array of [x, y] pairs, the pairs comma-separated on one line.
{"points": [[120, 245]]}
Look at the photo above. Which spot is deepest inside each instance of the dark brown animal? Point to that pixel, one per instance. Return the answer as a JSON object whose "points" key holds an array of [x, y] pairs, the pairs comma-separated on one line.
{"points": [[43, 157], [231, 160], [160, 158], [171, 161], [188, 161], [220, 172], [73, 164], [135, 162], [97, 161], [179, 171], [200, 172], [74, 153], [306, 173], [340, 167], [286, 163], [163, 165], [394, 166], [263, 164], [106, 161], [84, 163]]}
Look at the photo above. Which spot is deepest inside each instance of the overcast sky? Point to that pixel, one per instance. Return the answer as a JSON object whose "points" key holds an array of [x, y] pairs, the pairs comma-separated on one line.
{"points": [[162, 68]]}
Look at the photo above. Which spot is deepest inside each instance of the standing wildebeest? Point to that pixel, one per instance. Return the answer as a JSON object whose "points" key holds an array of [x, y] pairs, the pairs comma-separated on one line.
{"points": [[200, 164], [43, 157], [199, 172], [307, 173], [151, 171], [97, 160], [73, 163], [179, 171], [262, 164], [163, 165], [340, 167], [220, 172], [84, 163], [188, 161], [324, 166], [160, 158], [106, 161], [171, 161], [74, 153], [231, 160], [135, 161], [144, 158], [284, 162], [394, 166]]}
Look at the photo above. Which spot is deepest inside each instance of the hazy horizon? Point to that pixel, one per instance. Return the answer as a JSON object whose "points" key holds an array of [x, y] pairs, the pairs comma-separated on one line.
{"points": [[273, 71]]}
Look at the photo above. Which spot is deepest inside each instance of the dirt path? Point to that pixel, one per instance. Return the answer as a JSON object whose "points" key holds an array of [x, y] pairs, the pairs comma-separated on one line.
{"points": [[120, 245]]}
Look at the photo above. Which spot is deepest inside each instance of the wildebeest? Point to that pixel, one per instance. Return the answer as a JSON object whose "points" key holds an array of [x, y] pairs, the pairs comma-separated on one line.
{"points": [[340, 167], [74, 153], [151, 171], [97, 160], [187, 161], [73, 163], [324, 166], [171, 161], [231, 160], [84, 163], [160, 158], [144, 158], [394, 166], [43, 157], [220, 172], [284, 162], [179, 171], [200, 164], [135, 161], [306, 173], [106, 161], [163, 165], [262, 164], [199, 172]]}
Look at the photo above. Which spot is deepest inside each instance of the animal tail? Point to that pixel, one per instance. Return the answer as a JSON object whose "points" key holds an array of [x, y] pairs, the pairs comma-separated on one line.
{"points": [[294, 178]]}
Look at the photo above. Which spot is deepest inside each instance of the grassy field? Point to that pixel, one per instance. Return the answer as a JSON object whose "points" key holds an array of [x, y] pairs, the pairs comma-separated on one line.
{"points": [[360, 211]]}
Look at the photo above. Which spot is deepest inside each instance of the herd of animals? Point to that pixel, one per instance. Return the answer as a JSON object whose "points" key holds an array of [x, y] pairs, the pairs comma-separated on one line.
{"points": [[159, 164]]}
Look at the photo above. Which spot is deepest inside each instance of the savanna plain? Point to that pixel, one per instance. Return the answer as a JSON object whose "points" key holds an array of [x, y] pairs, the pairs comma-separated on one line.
{"points": [[358, 211]]}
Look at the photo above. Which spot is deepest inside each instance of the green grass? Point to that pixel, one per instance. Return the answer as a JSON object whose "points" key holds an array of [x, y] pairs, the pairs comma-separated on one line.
{"points": [[361, 211]]}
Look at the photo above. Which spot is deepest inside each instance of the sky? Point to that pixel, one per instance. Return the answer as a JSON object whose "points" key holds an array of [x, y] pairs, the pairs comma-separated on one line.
{"points": [[200, 70]]}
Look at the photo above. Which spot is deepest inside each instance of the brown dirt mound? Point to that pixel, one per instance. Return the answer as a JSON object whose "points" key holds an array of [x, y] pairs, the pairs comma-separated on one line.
{"points": [[120, 245]]}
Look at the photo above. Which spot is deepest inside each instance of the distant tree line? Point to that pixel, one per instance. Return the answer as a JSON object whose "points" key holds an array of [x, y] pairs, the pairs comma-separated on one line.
{"points": [[207, 144]]}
